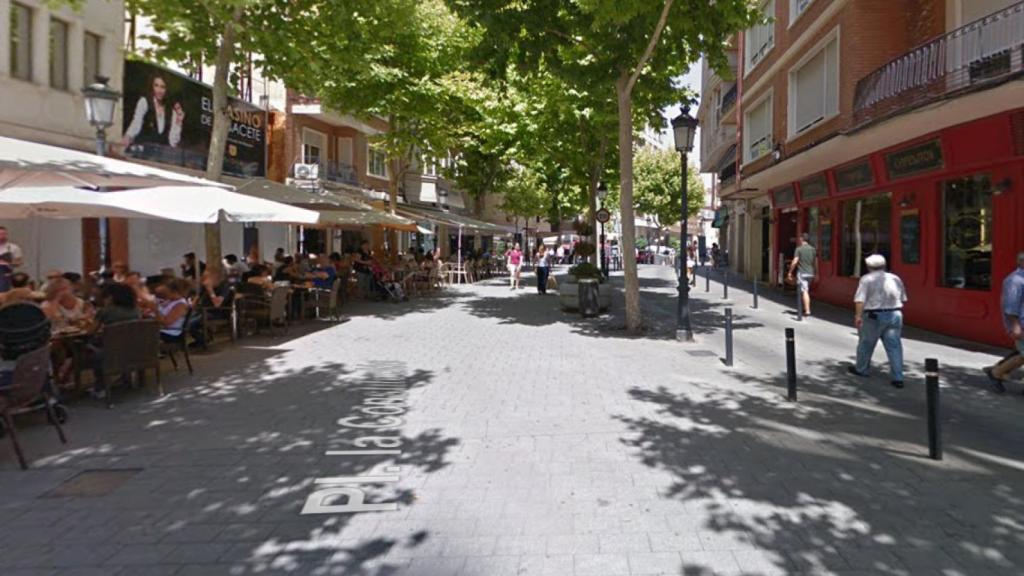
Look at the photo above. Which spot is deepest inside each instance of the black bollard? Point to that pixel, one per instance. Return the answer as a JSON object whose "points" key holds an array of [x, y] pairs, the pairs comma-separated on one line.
{"points": [[755, 292], [791, 364], [707, 279], [931, 377], [725, 284], [728, 336]]}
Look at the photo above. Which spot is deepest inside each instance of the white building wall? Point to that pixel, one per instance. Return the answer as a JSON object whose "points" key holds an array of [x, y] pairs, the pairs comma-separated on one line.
{"points": [[34, 111]]}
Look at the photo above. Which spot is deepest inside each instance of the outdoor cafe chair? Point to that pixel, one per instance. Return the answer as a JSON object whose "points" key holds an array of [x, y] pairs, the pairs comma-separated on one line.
{"points": [[28, 386], [169, 343], [130, 347]]}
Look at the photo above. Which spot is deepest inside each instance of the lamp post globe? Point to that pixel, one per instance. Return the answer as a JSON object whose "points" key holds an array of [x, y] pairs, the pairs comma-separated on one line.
{"points": [[100, 103], [684, 128]]}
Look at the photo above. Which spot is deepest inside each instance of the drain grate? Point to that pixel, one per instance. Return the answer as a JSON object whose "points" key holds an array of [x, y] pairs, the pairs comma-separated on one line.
{"points": [[93, 483], [707, 353]]}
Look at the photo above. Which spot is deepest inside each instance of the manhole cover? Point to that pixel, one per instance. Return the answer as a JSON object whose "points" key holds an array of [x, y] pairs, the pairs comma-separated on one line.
{"points": [[93, 483], [701, 353]]}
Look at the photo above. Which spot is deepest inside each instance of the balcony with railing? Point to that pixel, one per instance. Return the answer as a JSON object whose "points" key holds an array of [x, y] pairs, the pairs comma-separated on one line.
{"points": [[326, 171], [973, 57], [725, 109]]}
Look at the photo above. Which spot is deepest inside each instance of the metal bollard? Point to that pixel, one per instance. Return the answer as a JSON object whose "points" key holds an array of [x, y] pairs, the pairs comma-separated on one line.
{"points": [[707, 279], [728, 336], [931, 371], [791, 364], [755, 292], [725, 284]]}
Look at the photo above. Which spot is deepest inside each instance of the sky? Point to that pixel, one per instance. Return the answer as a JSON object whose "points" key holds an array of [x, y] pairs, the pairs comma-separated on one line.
{"points": [[691, 80]]}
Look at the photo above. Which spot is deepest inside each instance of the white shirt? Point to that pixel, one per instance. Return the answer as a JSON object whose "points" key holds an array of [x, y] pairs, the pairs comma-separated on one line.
{"points": [[880, 290], [141, 107], [13, 249]]}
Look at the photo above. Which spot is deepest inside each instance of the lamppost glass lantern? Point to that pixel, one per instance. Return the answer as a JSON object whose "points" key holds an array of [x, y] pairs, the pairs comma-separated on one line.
{"points": [[602, 191], [684, 127], [100, 102]]}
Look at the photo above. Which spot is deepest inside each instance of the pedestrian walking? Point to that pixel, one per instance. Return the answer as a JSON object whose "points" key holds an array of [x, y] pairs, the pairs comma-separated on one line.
{"points": [[1012, 306], [543, 258], [514, 261], [879, 314], [805, 268], [691, 262]]}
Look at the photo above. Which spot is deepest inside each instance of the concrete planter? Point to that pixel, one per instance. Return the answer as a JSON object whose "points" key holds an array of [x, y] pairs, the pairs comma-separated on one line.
{"points": [[569, 293]]}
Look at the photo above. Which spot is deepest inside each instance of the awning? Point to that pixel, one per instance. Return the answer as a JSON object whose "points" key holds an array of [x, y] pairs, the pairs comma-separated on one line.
{"points": [[330, 217], [453, 220], [26, 164], [192, 204], [278, 192]]}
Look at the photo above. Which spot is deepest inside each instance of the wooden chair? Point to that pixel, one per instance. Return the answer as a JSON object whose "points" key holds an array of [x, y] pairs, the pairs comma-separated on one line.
{"points": [[28, 385], [214, 319], [130, 347]]}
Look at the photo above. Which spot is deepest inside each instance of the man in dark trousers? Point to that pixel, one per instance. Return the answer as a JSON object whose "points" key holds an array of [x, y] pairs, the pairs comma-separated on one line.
{"points": [[805, 267], [1013, 315]]}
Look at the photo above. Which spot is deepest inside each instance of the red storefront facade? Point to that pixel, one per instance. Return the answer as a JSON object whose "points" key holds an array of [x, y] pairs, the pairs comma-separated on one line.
{"points": [[945, 209]]}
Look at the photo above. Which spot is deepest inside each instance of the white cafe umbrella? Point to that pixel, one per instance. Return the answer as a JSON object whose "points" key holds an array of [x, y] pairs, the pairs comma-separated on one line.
{"points": [[29, 164], [192, 204]]}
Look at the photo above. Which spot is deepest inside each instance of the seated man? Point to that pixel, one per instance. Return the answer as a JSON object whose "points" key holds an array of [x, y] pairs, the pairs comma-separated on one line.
{"points": [[233, 268], [214, 298], [21, 290]]}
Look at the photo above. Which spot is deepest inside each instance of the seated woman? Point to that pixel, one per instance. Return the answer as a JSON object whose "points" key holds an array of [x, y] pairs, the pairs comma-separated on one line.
{"points": [[171, 309], [143, 298], [63, 308]]}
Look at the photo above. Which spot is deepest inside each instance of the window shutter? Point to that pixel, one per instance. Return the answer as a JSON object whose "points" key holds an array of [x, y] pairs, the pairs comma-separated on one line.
{"points": [[810, 92]]}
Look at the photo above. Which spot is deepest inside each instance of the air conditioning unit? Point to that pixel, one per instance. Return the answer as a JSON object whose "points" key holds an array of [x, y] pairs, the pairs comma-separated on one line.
{"points": [[307, 171]]}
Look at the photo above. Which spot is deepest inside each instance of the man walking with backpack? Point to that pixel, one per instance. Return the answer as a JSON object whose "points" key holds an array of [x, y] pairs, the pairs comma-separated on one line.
{"points": [[1013, 314]]}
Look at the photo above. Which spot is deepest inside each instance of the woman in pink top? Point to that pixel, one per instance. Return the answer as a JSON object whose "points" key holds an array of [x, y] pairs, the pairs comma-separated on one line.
{"points": [[514, 259]]}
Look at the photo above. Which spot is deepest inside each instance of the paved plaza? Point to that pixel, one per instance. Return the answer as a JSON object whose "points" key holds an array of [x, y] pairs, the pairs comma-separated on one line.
{"points": [[484, 432]]}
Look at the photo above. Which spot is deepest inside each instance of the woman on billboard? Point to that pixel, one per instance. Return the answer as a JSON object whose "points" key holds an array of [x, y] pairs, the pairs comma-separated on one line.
{"points": [[155, 120]]}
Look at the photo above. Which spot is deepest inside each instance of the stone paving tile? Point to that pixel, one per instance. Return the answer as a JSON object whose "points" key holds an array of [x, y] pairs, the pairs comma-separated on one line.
{"points": [[503, 472]]}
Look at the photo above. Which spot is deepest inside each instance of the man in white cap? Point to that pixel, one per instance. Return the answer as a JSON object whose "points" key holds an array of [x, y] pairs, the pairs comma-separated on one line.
{"points": [[1013, 315], [879, 304]]}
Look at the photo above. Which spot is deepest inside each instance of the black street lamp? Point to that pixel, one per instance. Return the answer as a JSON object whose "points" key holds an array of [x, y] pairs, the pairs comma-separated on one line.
{"points": [[602, 193], [684, 128], [100, 103]]}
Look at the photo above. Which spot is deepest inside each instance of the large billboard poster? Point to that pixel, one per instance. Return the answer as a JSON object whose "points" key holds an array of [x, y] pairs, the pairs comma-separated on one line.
{"points": [[168, 118]]}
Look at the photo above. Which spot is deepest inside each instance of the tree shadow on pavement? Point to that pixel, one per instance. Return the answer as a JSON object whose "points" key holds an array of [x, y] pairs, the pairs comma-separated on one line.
{"points": [[224, 467], [840, 481]]}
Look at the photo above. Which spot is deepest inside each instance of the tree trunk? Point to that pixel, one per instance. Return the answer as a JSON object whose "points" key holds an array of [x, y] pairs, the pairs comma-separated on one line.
{"points": [[221, 124], [634, 320], [595, 180]]}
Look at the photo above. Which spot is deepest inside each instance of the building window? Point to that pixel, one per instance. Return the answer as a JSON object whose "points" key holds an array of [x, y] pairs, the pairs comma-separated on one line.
{"points": [[428, 166], [814, 88], [867, 230], [21, 41], [58, 54], [91, 57], [760, 39], [797, 8], [376, 161], [757, 133], [313, 146], [967, 233]]}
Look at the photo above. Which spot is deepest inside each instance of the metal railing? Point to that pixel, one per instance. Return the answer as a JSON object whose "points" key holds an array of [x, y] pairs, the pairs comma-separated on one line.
{"points": [[980, 53], [332, 171]]}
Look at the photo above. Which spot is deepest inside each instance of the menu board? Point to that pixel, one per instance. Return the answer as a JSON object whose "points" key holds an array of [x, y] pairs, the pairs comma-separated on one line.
{"points": [[910, 237]]}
